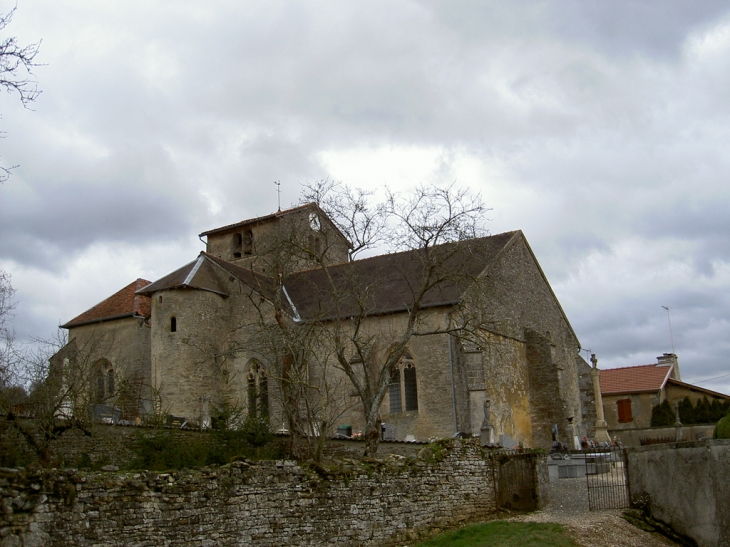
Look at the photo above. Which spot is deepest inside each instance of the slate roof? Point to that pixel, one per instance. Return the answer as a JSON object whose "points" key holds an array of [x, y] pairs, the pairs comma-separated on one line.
{"points": [[198, 274], [389, 283], [123, 303], [201, 274], [377, 285], [634, 379]]}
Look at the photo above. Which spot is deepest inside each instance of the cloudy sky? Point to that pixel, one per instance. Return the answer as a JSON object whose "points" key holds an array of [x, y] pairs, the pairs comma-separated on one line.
{"points": [[601, 129]]}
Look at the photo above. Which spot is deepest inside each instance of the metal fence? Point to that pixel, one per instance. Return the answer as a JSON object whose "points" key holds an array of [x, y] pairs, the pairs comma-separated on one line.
{"points": [[607, 478]]}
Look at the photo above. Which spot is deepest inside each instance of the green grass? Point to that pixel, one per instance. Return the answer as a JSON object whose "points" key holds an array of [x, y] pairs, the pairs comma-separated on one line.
{"points": [[504, 534]]}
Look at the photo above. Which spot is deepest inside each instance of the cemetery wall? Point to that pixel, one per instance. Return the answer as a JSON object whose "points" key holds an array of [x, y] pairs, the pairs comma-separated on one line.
{"points": [[633, 437], [685, 486], [259, 504]]}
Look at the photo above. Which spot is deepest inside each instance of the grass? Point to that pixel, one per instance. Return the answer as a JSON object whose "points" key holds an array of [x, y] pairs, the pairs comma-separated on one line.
{"points": [[504, 534]]}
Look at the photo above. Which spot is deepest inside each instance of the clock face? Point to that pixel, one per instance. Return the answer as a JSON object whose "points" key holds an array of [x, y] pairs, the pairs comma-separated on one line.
{"points": [[314, 221]]}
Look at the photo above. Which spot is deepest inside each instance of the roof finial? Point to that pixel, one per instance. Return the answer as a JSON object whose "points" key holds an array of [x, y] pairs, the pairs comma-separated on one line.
{"points": [[278, 194]]}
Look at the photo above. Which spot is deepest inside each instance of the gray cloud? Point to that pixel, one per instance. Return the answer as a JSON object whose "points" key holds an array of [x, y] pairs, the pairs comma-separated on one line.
{"points": [[600, 129]]}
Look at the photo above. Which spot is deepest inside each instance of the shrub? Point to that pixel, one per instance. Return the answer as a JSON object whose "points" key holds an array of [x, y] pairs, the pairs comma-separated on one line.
{"points": [[662, 415], [722, 429]]}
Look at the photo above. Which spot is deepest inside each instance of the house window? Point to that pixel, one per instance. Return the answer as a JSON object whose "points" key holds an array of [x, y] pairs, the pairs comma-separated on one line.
{"points": [[403, 389], [257, 390], [173, 324], [103, 381], [624, 411]]}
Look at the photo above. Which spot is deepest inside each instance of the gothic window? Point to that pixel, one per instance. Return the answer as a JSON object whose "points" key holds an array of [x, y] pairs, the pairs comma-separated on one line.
{"points": [[409, 387], [257, 390], [624, 411], [251, 393], [403, 388], [103, 384], [394, 391]]}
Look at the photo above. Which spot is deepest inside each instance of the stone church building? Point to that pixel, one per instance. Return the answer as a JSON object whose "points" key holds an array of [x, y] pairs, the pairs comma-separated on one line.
{"points": [[196, 342]]}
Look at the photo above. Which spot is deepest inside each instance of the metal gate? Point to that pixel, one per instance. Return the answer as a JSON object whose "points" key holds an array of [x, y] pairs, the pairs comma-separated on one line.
{"points": [[607, 478], [515, 481]]}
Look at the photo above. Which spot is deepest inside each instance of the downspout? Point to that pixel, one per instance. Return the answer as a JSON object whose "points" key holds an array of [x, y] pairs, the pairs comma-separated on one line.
{"points": [[451, 370]]}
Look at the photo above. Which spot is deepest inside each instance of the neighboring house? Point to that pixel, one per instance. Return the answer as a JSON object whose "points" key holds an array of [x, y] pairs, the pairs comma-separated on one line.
{"points": [[630, 393], [203, 344]]}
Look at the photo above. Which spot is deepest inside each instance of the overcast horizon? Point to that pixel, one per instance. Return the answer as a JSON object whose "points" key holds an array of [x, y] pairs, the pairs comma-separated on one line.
{"points": [[599, 129]]}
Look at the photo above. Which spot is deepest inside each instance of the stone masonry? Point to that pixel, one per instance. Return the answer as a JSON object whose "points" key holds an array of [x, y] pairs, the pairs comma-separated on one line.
{"points": [[259, 504]]}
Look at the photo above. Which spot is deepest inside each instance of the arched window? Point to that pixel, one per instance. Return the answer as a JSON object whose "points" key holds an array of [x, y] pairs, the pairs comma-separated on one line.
{"points": [[103, 385], [403, 387], [394, 391], [409, 387], [173, 324], [257, 390], [251, 393]]}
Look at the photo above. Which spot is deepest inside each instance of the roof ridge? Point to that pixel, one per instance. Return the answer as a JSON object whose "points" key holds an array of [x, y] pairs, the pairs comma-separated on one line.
{"points": [[246, 221], [631, 366], [397, 253]]}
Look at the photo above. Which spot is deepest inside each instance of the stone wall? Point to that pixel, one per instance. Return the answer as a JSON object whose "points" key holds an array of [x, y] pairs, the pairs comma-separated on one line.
{"points": [[685, 486], [523, 306], [265, 504], [633, 437]]}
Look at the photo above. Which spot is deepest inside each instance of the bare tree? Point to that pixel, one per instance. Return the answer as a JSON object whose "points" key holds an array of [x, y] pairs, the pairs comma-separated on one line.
{"points": [[8, 354], [16, 70], [439, 226], [300, 356]]}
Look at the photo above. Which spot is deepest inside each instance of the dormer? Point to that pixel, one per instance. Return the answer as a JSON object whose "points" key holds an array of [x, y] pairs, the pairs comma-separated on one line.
{"points": [[294, 239]]}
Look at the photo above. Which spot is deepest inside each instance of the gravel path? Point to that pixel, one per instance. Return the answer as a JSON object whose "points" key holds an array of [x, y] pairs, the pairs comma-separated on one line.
{"points": [[569, 507]]}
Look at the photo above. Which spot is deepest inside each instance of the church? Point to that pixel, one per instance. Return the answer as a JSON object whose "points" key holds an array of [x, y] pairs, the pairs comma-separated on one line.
{"points": [[275, 319]]}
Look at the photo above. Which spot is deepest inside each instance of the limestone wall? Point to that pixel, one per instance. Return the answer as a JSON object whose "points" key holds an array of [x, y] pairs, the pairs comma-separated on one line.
{"points": [[686, 486], [266, 504], [523, 307]]}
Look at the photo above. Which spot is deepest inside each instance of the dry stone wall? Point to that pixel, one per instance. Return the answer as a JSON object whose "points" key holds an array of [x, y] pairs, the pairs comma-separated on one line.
{"points": [[262, 504]]}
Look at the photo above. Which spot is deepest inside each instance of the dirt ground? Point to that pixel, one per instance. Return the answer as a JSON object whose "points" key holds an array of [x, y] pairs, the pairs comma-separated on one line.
{"points": [[606, 528]]}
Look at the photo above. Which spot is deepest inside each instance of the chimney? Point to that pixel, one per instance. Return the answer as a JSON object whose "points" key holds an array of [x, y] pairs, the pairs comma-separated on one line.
{"points": [[668, 359]]}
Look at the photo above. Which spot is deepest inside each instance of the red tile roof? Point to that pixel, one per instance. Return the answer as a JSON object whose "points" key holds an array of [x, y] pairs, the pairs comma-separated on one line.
{"points": [[634, 379], [121, 304]]}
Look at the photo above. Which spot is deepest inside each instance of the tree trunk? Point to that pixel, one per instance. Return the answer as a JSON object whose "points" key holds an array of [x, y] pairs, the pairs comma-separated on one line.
{"points": [[372, 438]]}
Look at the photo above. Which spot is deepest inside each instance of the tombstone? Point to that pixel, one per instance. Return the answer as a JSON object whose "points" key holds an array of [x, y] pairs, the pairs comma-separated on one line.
{"points": [[175, 421], [106, 414], [388, 432], [508, 442]]}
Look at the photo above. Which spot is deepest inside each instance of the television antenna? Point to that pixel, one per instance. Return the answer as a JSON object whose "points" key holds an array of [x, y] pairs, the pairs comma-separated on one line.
{"points": [[278, 193], [671, 336]]}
